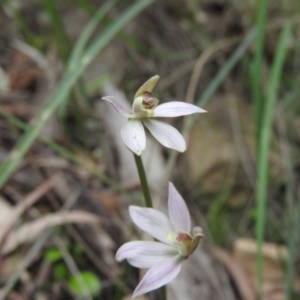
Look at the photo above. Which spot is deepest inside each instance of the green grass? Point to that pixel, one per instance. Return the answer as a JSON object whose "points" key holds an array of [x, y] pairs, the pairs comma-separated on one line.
{"points": [[293, 243], [256, 70], [264, 146], [61, 37]]}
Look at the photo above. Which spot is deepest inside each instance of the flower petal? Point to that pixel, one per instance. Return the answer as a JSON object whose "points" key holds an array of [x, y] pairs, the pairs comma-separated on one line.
{"points": [[167, 135], [148, 86], [176, 109], [152, 221], [160, 274], [178, 211], [133, 135], [118, 107], [145, 254]]}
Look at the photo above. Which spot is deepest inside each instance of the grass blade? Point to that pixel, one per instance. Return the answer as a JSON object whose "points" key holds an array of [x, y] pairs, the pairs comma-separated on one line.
{"points": [[257, 66], [62, 39], [264, 146], [293, 246], [86, 34]]}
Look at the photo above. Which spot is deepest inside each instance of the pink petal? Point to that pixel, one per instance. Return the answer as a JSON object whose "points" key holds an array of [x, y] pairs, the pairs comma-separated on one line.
{"points": [[167, 135], [152, 221], [176, 109], [148, 86], [160, 274], [133, 135], [145, 254], [119, 108], [178, 211]]}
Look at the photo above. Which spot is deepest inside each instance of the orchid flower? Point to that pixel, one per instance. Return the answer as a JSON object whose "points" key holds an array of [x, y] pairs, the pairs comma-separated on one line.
{"points": [[145, 107], [176, 242]]}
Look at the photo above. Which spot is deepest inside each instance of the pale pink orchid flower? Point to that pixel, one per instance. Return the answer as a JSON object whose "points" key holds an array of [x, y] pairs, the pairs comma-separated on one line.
{"points": [[145, 107], [176, 242]]}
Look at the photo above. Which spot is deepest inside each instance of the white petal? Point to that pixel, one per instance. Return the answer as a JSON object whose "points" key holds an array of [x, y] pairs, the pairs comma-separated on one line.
{"points": [[152, 221], [148, 86], [133, 135], [159, 275], [176, 109], [178, 211], [118, 107], [167, 135], [145, 254]]}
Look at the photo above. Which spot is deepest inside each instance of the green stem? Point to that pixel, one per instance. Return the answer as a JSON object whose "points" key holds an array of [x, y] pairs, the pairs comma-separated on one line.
{"points": [[163, 290], [262, 10], [264, 149], [143, 179]]}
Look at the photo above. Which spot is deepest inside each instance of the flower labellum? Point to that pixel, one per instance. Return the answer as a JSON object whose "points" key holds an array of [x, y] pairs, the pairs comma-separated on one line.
{"points": [[176, 242], [145, 107]]}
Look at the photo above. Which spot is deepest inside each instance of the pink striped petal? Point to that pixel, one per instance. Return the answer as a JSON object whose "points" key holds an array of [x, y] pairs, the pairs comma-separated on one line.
{"points": [[178, 212], [160, 274], [118, 107], [145, 254], [152, 221], [133, 135], [167, 135], [176, 109]]}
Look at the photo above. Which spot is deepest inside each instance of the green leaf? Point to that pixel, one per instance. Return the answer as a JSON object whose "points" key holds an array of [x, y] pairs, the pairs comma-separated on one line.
{"points": [[60, 271], [77, 250], [53, 255], [85, 283]]}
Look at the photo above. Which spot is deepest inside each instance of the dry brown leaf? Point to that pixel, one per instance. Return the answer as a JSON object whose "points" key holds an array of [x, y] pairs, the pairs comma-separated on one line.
{"points": [[202, 276], [23, 73], [245, 251], [241, 279], [5, 211], [9, 265], [109, 200], [20, 208], [225, 139], [31, 230]]}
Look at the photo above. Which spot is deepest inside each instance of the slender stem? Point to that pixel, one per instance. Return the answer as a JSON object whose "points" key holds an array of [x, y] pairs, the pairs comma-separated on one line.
{"points": [[143, 179], [163, 290]]}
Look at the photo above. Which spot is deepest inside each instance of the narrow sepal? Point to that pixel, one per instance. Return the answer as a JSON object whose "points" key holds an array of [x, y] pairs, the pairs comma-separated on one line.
{"points": [[118, 107], [178, 211]]}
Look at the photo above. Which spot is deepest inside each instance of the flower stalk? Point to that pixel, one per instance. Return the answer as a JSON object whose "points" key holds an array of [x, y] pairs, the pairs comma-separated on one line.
{"points": [[143, 180]]}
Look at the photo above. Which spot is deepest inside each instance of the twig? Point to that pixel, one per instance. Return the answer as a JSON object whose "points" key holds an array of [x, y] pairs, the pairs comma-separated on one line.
{"points": [[25, 204], [202, 60]]}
